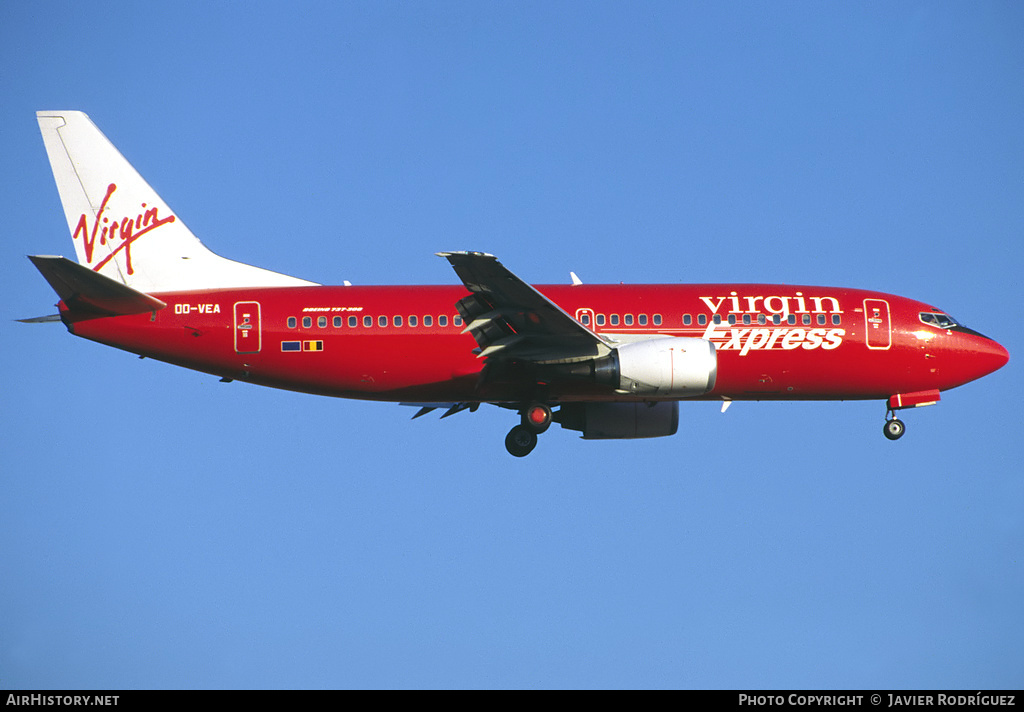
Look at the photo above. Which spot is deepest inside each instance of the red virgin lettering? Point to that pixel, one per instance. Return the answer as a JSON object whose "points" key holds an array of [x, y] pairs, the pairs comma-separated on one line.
{"points": [[119, 233]]}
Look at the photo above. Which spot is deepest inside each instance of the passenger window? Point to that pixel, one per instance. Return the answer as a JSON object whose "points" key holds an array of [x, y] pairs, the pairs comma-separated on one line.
{"points": [[821, 320], [702, 319], [337, 322], [307, 322], [398, 321], [628, 320], [613, 320], [776, 319], [412, 321], [456, 321], [428, 320], [807, 319], [353, 321], [585, 319], [600, 319], [442, 320], [642, 320], [746, 318], [732, 318], [382, 321], [762, 319], [367, 321], [292, 322], [717, 318], [657, 319], [837, 320], [321, 321], [791, 319]]}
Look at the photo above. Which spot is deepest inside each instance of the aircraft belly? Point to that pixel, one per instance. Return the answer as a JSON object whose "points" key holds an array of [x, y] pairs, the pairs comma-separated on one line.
{"points": [[848, 373]]}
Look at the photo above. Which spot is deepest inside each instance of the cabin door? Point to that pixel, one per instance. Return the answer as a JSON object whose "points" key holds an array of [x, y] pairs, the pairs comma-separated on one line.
{"points": [[877, 324], [248, 334], [586, 317]]}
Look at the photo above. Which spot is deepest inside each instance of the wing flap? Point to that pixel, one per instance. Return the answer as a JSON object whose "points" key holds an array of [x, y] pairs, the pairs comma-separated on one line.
{"points": [[512, 320]]}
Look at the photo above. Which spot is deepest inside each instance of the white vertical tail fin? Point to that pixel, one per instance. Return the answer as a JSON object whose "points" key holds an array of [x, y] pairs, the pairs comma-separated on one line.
{"points": [[121, 228]]}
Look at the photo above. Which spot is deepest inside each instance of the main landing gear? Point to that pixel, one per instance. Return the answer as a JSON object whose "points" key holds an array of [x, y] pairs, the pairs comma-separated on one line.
{"points": [[894, 427], [536, 418]]}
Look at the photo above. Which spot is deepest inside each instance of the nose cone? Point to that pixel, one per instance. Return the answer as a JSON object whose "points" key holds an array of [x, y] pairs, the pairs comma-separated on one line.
{"points": [[995, 355], [984, 356], [964, 355]]}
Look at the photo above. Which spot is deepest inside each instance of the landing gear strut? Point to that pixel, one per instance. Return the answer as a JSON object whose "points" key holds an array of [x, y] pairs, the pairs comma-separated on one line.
{"points": [[536, 418], [894, 427]]}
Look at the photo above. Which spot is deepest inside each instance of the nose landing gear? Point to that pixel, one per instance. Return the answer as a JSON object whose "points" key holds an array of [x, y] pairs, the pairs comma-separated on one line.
{"points": [[894, 427], [536, 418]]}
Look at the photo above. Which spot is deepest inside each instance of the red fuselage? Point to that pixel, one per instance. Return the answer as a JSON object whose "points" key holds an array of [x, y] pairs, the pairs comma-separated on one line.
{"points": [[406, 343]]}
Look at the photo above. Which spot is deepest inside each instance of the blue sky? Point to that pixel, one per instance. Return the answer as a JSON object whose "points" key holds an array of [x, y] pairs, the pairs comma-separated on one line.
{"points": [[162, 529]]}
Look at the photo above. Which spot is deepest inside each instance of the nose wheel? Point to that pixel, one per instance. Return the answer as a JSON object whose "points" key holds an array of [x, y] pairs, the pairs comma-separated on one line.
{"points": [[894, 427], [536, 418]]}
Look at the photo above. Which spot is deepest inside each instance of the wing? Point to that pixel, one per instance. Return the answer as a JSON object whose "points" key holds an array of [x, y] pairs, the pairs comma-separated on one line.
{"points": [[511, 320]]}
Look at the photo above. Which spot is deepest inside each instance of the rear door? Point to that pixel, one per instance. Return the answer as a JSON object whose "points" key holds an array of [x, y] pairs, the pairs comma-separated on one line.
{"points": [[248, 336]]}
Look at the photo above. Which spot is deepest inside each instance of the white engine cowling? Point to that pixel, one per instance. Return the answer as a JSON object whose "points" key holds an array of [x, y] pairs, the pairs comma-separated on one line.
{"points": [[671, 366]]}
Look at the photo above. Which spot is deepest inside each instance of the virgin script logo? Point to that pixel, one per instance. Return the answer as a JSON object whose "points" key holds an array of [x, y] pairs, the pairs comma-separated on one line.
{"points": [[120, 233]]}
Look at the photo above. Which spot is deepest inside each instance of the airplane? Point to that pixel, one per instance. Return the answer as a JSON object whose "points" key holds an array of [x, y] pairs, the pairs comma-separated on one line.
{"points": [[608, 361]]}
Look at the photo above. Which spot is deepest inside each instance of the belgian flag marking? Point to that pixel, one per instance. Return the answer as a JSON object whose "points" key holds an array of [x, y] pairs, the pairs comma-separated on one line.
{"points": [[312, 345]]}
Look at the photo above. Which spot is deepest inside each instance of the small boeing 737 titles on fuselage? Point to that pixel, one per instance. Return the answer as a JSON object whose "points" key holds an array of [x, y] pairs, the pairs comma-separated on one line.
{"points": [[610, 361]]}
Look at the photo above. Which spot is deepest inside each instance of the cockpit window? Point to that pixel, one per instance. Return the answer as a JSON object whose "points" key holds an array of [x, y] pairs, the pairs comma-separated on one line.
{"points": [[938, 319]]}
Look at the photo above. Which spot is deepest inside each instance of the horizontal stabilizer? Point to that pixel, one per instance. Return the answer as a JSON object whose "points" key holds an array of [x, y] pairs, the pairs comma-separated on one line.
{"points": [[83, 290], [40, 319]]}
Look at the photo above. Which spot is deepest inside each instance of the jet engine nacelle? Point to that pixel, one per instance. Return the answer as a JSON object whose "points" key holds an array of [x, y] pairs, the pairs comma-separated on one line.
{"points": [[620, 421], [671, 366]]}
